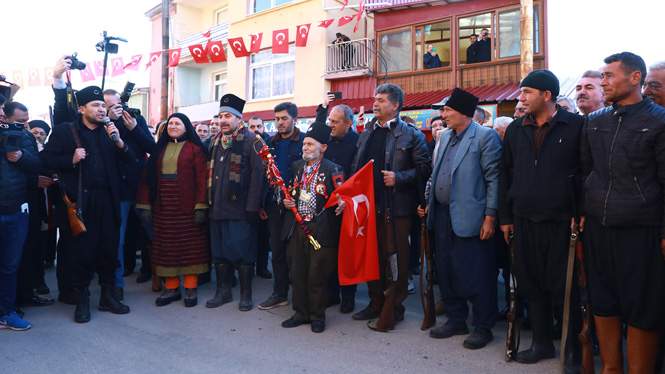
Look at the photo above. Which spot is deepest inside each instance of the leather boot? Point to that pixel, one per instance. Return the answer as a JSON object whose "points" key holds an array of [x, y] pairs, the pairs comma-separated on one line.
{"points": [[572, 359], [641, 350], [541, 325], [191, 297], [108, 302], [223, 293], [245, 274], [82, 312], [609, 331]]}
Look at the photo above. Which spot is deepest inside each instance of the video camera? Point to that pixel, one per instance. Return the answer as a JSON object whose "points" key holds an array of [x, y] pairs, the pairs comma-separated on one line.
{"points": [[76, 64], [124, 98], [11, 135], [7, 89]]}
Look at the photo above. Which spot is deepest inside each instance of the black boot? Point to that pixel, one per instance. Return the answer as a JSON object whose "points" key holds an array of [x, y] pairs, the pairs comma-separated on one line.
{"points": [[82, 313], [541, 325], [572, 359], [108, 302], [223, 295], [245, 272]]}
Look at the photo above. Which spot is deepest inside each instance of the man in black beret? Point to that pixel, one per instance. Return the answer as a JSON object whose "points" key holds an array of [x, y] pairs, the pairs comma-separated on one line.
{"points": [[314, 179], [538, 185], [85, 156]]}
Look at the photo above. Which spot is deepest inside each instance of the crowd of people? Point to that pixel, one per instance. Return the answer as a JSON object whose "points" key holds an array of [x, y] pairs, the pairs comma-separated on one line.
{"points": [[508, 196]]}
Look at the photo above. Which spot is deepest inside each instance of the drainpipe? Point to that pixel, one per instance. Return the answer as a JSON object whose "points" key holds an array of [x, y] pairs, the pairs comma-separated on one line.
{"points": [[526, 37]]}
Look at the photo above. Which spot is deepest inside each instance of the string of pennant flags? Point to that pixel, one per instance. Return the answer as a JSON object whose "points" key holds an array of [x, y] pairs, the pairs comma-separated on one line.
{"points": [[212, 52]]}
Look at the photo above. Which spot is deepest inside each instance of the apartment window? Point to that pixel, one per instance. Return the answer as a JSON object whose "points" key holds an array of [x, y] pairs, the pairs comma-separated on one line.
{"points": [[271, 75], [395, 47], [438, 35], [219, 85], [471, 52], [261, 5], [222, 16], [509, 32]]}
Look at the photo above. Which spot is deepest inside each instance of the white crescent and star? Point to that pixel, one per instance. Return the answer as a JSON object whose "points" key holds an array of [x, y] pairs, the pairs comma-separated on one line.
{"points": [[216, 52], [305, 32], [237, 45], [356, 201], [198, 51], [280, 41]]}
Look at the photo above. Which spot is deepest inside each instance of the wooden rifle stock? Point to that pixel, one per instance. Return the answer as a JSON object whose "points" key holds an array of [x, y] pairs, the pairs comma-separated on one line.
{"points": [[75, 221], [386, 320], [513, 337], [426, 295], [585, 334]]}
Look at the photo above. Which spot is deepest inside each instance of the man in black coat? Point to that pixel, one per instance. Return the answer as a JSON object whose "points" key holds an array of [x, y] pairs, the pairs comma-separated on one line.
{"points": [[85, 155]]}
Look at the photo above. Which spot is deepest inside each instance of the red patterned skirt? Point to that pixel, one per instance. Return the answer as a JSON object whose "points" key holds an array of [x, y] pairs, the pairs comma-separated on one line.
{"points": [[177, 242]]}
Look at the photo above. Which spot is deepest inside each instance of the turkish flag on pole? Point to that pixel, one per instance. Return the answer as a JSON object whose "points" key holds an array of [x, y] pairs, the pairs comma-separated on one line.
{"points": [[358, 260], [238, 47], [17, 77], [280, 41], [154, 56], [302, 34], [255, 47], [216, 51], [134, 64], [199, 53], [174, 57], [360, 14], [326, 23], [344, 20], [33, 80], [48, 76], [86, 74], [117, 67]]}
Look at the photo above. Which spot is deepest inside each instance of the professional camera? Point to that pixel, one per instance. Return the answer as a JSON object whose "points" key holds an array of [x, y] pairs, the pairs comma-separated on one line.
{"points": [[7, 89], [124, 97], [76, 64], [10, 136]]}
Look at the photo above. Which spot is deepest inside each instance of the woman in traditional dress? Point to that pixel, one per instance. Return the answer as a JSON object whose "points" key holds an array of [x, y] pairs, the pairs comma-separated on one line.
{"points": [[173, 195]]}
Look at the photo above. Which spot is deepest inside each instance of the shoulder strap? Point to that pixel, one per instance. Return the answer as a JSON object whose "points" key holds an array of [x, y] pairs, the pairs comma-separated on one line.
{"points": [[79, 197]]}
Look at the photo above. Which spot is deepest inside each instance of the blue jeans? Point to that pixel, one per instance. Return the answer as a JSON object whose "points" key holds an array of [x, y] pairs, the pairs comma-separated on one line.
{"points": [[13, 230], [124, 213]]}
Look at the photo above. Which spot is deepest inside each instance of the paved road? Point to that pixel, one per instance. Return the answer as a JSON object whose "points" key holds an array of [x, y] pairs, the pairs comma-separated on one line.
{"points": [[175, 339]]}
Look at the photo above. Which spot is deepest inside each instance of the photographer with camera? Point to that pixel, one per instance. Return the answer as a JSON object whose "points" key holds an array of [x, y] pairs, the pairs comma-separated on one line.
{"points": [[134, 130], [62, 110], [484, 46], [17, 159], [345, 50]]}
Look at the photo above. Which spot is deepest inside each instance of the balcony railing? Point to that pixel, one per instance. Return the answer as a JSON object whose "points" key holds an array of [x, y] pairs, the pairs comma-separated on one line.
{"points": [[349, 56]]}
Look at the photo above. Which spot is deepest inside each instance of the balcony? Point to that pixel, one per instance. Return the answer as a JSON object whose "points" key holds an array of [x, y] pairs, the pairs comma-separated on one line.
{"points": [[218, 32], [349, 59], [385, 5]]}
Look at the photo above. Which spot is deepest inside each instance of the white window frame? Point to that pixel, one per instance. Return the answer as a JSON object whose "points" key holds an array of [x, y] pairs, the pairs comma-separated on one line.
{"points": [[216, 83], [277, 59], [272, 5], [225, 9]]}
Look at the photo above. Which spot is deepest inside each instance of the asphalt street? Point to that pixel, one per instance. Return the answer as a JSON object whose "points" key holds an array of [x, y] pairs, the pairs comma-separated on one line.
{"points": [[175, 339]]}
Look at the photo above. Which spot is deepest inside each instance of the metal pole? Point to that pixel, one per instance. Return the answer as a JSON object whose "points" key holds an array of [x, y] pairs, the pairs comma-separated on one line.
{"points": [[526, 37], [164, 102]]}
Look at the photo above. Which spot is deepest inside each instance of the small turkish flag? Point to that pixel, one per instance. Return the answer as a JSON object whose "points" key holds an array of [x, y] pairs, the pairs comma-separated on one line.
{"points": [[361, 11], [344, 20], [216, 51], [48, 76], [238, 47], [302, 34], [117, 67], [33, 80], [134, 64], [86, 74], [326, 23], [198, 53], [255, 47], [358, 258], [206, 34], [174, 57], [154, 56], [99, 68], [17, 77], [280, 41], [346, 2]]}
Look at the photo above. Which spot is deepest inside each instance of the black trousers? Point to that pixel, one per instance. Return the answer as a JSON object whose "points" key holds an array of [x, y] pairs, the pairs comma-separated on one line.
{"points": [[278, 246], [31, 268], [262, 245]]}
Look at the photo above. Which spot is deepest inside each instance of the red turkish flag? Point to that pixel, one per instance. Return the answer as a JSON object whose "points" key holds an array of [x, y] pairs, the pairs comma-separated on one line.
{"points": [[238, 47], [154, 56], [255, 47], [174, 57], [134, 64], [206, 34], [280, 41], [17, 77], [346, 19], [117, 67], [360, 14], [358, 258], [199, 53], [326, 23], [48, 76], [346, 2], [216, 51], [86, 74], [33, 80], [99, 68], [302, 34]]}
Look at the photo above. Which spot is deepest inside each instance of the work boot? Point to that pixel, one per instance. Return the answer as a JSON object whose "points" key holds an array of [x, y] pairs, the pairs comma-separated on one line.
{"points": [[191, 297], [223, 294], [82, 312], [609, 331], [641, 350], [168, 296], [541, 325], [245, 273], [108, 302]]}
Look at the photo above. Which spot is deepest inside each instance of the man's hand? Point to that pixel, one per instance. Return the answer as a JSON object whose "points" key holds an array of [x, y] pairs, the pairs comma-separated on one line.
{"points": [[388, 178], [507, 229], [487, 229], [580, 227], [44, 182], [129, 121], [111, 129], [289, 203], [327, 98], [115, 112], [14, 156], [79, 154], [61, 66], [263, 214], [421, 211], [340, 206]]}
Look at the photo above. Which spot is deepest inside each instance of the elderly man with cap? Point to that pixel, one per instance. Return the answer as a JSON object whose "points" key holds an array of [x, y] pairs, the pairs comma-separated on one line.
{"points": [[236, 181], [314, 178], [463, 207], [85, 155], [538, 188]]}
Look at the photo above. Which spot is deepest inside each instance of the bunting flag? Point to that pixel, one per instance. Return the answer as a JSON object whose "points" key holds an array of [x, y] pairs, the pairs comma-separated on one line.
{"points": [[280, 41], [17, 78], [174, 57], [238, 47], [302, 34], [117, 67], [99, 68], [344, 20], [48, 76], [346, 2], [361, 12], [154, 56], [326, 23], [216, 51], [199, 53], [255, 47], [206, 34], [86, 74], [134, 63], [33, 78]]}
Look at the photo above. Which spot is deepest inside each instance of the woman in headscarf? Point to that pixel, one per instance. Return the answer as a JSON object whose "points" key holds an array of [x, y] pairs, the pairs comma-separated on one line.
{"points": [[172, 194]]}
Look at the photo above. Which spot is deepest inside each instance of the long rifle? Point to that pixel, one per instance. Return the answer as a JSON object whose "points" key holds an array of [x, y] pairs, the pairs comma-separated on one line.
{"points": [[426, 295], [585, 334], [513, 337]]}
